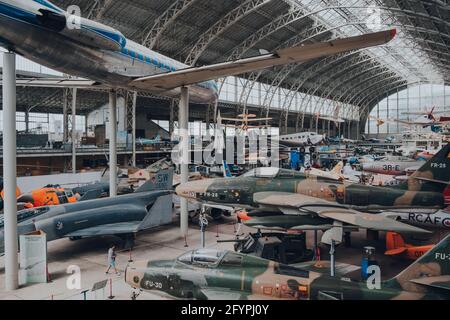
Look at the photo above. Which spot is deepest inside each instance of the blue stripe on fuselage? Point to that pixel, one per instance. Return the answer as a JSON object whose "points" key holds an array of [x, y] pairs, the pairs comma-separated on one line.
{"points": [[22, 15], [16, 13]]}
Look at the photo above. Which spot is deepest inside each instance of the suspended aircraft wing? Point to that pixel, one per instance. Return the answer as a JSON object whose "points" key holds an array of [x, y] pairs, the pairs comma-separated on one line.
{"points": [[295, 204], [60, 83], [188, 76], [413, 123], [416, 123], [247, 120], [332, 119]]}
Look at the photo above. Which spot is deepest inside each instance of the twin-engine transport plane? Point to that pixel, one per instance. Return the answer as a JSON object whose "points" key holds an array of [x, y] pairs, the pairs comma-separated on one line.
{"points": [[307, 202], [46, 34]]}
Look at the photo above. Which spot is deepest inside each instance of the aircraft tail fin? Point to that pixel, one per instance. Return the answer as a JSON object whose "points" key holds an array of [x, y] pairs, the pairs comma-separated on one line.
{"points": [[434, 175], [159, 214], [429, 272], [163, 180], [338, 168], [394, 244], [226, 170]]}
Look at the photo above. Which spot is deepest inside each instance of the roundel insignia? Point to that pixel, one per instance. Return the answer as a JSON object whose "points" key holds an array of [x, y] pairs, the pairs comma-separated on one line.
{"points": [[59, 225], [446, 222]]}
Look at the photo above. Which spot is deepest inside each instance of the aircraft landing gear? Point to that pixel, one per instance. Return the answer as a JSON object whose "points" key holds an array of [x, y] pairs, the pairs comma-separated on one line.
{"points": [[203, 222], [128, 240]]}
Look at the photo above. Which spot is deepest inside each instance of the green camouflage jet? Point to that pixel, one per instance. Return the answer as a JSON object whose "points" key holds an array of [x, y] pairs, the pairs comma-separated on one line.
{"points": [[226, 275], [310, 202]]}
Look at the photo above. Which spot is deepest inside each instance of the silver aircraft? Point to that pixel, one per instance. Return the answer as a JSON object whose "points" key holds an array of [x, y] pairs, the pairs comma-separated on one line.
{"points": [[123, 216], [46, 34]]}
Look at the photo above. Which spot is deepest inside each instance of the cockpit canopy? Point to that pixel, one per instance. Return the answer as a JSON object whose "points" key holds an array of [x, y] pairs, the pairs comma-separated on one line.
{"points": [[210, 258], [206, 257], [272, 172], [26, 214]]}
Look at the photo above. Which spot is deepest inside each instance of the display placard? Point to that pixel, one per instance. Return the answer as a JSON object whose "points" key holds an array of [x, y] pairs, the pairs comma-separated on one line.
{"points": [[33, 258]]}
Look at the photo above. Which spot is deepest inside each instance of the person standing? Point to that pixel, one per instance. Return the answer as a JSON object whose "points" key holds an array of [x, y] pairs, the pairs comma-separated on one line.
{"points": [[112, 260]]}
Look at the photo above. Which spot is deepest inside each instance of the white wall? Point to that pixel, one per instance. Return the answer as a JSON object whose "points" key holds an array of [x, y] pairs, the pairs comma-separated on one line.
{"points": [[68, 180]]}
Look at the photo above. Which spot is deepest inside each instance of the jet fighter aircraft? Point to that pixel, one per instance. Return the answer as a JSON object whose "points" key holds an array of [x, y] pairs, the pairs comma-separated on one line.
{"points": [[300, 195], [122, 216], [224, 275]]}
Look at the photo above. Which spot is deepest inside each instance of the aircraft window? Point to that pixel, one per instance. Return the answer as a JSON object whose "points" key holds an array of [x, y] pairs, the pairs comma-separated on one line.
{"points": [[69, 194], [291, 271], [208, 257], [61, 197], [186, 258], [232, 259]]}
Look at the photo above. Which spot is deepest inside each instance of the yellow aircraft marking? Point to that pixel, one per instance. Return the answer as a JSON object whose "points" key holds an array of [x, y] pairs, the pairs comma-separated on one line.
{"points": [[242, 280]]}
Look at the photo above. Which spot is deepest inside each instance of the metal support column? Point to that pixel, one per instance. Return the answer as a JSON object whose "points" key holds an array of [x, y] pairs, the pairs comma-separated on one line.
{"points": [[130, 122], [172, 118], [398, 114], [66, 115], [378, 117], [9, 171], [27, 120], [133, 130], [332, 259], [112, 143], [74, 131], [387, 114], [183, 123]]}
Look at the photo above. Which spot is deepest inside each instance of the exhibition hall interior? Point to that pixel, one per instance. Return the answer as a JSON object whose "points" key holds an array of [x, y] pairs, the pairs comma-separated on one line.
{"points": [[224, 150]]}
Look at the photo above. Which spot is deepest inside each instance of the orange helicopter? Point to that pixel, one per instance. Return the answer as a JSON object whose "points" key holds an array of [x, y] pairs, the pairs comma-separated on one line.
{"points": [[396, 246]]}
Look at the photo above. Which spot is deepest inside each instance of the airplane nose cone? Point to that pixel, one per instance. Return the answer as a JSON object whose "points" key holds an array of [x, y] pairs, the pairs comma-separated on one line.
{"points": [[134, 273], [192, 189]]}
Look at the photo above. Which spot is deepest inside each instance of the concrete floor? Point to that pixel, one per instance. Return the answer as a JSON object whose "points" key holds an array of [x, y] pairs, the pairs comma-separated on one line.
{"points": [[162, 243]]}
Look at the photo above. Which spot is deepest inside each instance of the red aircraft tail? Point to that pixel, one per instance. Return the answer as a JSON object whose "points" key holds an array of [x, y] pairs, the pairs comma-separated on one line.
{"points": [[394, 244]]}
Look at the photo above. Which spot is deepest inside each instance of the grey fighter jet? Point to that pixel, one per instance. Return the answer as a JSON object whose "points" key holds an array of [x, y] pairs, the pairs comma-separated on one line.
{"points": [[123, 216]]}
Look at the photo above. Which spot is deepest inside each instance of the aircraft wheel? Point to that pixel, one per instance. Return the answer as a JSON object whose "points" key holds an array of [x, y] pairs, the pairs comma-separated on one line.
{"points": [[216, 214]]}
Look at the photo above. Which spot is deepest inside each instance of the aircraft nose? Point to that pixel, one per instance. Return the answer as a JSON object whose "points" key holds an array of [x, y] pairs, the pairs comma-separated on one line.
{"points": [[134, 273], [190, 189]]}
